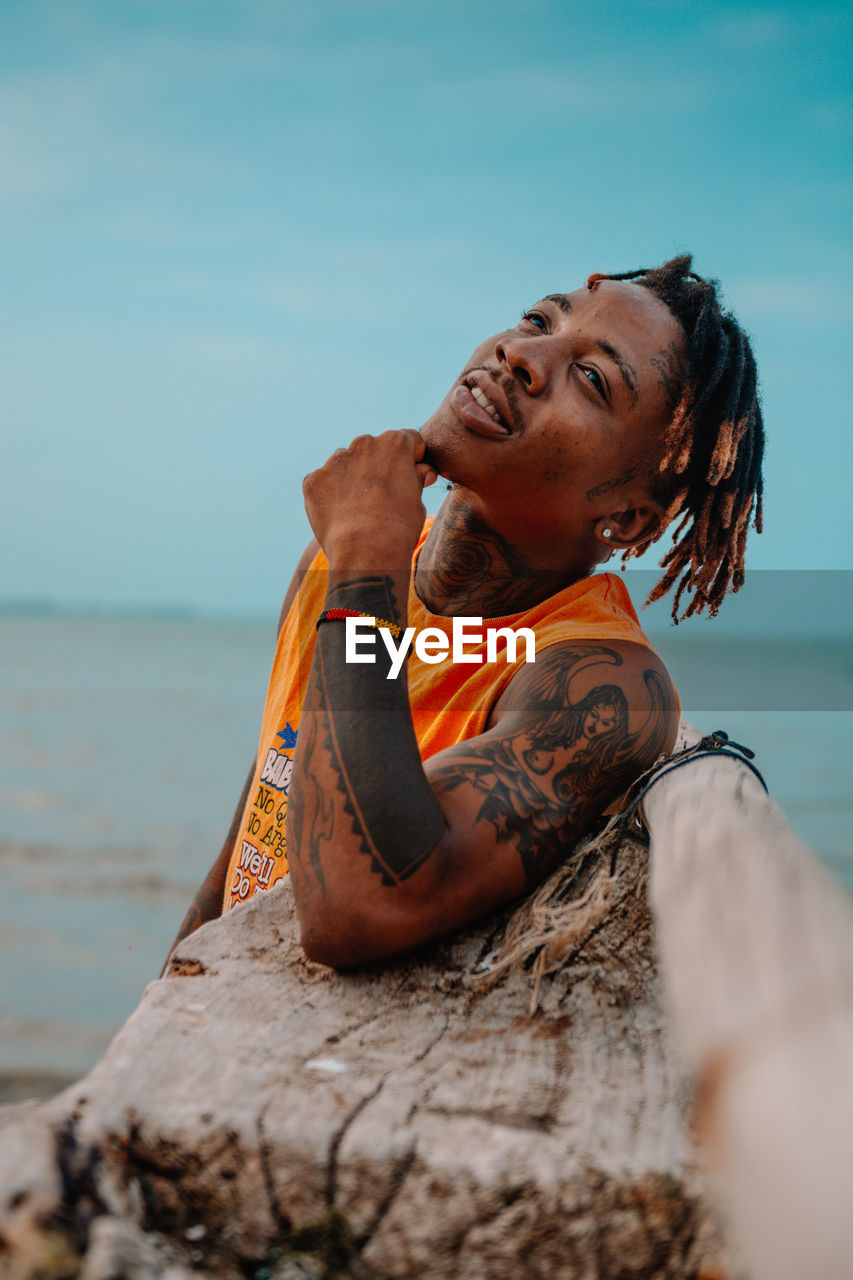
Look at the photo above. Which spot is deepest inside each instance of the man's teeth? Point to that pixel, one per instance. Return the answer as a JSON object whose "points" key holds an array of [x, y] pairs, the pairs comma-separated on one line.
{"points": [[484, 403]]}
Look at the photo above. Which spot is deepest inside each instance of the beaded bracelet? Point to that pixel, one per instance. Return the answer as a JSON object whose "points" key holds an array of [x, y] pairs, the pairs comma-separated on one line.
{"points": [[338, 615]]}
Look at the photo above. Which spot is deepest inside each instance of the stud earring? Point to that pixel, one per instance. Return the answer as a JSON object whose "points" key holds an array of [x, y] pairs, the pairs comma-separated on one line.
{"points": [[606, 533]]}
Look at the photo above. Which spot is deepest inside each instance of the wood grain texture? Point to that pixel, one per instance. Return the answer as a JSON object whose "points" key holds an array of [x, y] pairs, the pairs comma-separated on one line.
{"points": [[450, 1135]]}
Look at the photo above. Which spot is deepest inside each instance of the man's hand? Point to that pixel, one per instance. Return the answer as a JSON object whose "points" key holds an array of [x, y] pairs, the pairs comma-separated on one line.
{"points": [[365, 505]]}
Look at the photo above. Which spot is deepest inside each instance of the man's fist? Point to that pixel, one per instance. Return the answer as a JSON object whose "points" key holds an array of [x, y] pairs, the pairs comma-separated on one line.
{"points": [[365, 502]]}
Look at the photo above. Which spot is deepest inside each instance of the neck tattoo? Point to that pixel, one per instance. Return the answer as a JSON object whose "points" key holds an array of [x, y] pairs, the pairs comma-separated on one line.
{"points": [[466, 568]]}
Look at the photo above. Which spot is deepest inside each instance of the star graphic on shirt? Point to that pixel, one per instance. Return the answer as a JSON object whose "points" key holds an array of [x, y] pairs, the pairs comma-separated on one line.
{"points": [[288, 736]]}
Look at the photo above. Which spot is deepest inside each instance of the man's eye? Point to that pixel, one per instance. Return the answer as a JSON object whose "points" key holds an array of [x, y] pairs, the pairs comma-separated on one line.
{"points": [[592, 375], [536, 318]]}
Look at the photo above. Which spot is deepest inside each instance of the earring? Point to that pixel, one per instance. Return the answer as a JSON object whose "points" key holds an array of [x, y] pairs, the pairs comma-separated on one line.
{"points": [[606, 533]]}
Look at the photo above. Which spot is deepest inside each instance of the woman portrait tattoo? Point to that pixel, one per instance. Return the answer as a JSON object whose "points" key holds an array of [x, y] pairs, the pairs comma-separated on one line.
{"points": [[541, 787]]}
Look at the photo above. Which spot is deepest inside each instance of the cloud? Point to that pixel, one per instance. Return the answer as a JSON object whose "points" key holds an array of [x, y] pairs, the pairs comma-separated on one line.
{"points": [[754, 29], [99, 99], [25, 176], [812, 300], [76, 127], [832, 116], [774, 27], [621, 89]]}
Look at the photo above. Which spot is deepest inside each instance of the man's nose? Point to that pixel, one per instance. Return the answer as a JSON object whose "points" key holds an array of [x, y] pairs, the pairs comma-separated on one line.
{"points": [[526, 359]]}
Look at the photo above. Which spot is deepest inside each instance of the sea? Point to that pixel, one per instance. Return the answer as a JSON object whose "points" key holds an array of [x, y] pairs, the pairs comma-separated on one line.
{"points": [[124, 742]]}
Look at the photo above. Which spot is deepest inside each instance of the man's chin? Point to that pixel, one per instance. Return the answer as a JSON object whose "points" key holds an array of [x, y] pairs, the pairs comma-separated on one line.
{"points": [[449, 447], [438, 440]]}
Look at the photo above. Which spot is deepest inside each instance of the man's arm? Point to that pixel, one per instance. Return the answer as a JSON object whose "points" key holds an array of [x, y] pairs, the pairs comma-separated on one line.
{"points": [[387, 853], [207, 903]]}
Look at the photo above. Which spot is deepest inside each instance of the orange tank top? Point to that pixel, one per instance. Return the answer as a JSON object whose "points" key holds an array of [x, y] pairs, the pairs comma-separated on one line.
{"points": [[450, 701]]}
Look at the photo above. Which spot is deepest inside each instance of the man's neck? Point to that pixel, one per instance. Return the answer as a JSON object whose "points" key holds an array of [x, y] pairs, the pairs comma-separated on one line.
{"points": [[466, 568]]}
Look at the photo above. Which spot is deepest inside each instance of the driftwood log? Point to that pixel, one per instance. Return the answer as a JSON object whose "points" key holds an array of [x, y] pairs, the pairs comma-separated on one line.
{"points": [[262, 1116], [756, 946]]}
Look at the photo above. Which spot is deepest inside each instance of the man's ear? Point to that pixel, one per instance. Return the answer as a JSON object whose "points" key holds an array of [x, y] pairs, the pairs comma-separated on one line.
{"points": [[630, 526]]}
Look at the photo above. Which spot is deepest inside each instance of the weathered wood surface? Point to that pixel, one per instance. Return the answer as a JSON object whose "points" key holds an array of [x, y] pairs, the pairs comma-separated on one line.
{"points": [[253, 1094], [756, 945]]}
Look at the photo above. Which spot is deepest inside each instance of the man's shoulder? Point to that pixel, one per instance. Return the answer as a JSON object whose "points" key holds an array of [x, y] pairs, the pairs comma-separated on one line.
{"points": [[616, 687]]}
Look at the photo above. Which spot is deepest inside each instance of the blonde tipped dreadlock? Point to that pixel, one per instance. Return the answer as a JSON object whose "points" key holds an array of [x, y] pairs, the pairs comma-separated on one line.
{"points": [[711, 468]]}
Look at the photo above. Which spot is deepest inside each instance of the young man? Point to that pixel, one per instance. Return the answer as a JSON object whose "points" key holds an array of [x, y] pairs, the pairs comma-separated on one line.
{"points": [[415, 804]]}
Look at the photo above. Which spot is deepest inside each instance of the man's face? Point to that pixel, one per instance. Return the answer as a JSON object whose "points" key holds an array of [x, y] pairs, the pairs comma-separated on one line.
{"points": [[554, 420], [601, 718]]}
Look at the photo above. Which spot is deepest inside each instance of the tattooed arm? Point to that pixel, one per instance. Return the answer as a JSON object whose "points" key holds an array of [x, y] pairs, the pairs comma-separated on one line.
{"points": [[572, 734], [385, 852]]}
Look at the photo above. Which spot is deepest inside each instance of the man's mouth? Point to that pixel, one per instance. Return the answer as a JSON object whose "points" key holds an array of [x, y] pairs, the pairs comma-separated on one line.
{"points": [[485, 403], [478, 410]]}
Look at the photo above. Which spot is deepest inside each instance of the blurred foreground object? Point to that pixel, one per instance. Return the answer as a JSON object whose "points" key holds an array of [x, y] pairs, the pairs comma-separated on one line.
{"points": [[756, 947]]}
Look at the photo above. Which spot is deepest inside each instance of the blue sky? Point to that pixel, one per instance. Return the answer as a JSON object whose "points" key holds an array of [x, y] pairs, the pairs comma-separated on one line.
{"points": [[235, 233]]}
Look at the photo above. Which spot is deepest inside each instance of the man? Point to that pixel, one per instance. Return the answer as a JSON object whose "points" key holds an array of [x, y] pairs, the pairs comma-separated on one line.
{"points": [[417, 803]]}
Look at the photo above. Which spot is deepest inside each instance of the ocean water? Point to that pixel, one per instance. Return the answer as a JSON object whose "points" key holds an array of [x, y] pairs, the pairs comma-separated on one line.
{"points": [[123, 747]]}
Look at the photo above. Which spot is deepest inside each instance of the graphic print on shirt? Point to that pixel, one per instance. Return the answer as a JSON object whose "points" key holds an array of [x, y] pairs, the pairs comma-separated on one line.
{"points": [[261, 856]]}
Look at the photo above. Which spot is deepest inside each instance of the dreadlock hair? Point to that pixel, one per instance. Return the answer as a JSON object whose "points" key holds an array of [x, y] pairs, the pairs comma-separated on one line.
{"points": [[710, 473]]}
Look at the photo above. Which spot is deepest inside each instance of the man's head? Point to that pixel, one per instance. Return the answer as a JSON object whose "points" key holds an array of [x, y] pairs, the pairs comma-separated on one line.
{"points": [[604, 414], [711, 472]]}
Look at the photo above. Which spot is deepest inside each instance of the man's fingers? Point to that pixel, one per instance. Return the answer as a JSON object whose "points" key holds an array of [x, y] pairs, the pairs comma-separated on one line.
{"points": [[416, 439], [413, 440], [377, 451]]}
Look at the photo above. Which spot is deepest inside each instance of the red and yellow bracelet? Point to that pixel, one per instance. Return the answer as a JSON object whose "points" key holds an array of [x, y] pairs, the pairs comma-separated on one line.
{"points": [[338, 615]]}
